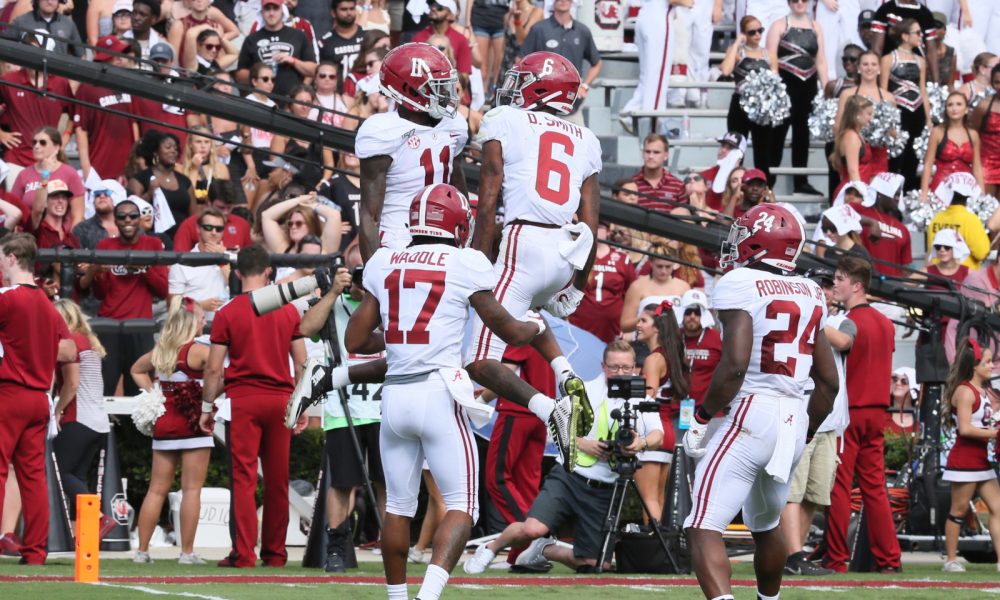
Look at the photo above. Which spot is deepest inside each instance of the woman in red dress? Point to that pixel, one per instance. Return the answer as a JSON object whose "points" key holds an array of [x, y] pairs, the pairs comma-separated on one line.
{"points": [[178, 361], [852, 156], [968, 409], [986, 120], [666, 373], [953, 147]]}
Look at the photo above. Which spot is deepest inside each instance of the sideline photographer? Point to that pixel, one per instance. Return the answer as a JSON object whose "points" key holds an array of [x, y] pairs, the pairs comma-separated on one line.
{"points": [[364, 402], [584, 494]]}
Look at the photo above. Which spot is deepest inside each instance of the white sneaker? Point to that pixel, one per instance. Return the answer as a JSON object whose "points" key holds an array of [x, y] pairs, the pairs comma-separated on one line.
{"points": [[416, 556], [563, 425], [191, 559], [533, 557], [141, 557], [626, 122], [479, 561], [953, 566], [307, 391]]}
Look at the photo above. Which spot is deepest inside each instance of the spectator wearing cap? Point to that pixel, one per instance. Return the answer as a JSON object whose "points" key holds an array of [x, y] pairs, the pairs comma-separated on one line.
{"points": [[658, 188], [102, 224], [50, 219], [946, 263], [600, 311], [50, 164], [209, 284], [569, 38], [291, 55], [145, 13], [865, 31], [103, 138], [235, 234], [161, 116], [443, 14], [956, 191], [25, 112], [841, 226], [46, 18], [147, 223], [880, 212], [754, 191], [127, 292], [902, 414], [893, 12], [108, 17], [281, 175], [294, 16], [702, 344], [732, 149]]}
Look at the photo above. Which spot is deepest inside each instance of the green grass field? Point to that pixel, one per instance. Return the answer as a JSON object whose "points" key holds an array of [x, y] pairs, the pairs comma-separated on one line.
{"points": [[123, 579]]}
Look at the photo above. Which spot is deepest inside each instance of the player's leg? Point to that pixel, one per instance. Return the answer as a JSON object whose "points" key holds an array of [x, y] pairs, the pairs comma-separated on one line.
{"points": [[450, 447], [402, 456]]}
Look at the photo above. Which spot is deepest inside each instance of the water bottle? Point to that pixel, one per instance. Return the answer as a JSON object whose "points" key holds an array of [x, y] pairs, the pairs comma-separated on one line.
{"points": [[686, 414], [686, 126]]}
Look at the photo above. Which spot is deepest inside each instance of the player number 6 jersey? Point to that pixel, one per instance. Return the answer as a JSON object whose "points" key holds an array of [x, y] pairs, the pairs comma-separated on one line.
{"points": [[546, 160], [787, 313]]}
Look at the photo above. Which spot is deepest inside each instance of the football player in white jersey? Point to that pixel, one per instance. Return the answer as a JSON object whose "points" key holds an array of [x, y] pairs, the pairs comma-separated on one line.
{"points": [[546, 170], [415, 146], [773, 341], [420, 296]]}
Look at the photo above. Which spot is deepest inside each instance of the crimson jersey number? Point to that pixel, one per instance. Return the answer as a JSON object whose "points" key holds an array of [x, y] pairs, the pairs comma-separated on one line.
{"points": [[409, 279], [427, 162], [787, 336], [548, 165]]}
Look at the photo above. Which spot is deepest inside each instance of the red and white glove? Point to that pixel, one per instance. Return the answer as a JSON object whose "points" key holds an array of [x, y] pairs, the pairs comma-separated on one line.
{"points": [[565, 302], [533, 317]]}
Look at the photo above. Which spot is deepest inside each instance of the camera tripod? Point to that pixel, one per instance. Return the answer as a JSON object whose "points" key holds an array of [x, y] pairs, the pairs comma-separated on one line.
{"points": [[624, 482]]}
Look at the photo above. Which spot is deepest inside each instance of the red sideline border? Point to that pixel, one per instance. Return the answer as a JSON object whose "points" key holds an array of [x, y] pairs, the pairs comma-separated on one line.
{"points": [[523, 581]]}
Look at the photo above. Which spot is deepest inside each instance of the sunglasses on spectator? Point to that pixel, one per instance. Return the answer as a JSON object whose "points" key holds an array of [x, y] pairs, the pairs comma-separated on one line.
{"points": [[213, 47], [693, 178], [102, 193], [326, 76], [296, 224], [132, 216], [758, 31], [850, 59], [265, 78], [900, 379], [940, 247], [215, 228], [39, 142], [797, 1], [692, 311]]}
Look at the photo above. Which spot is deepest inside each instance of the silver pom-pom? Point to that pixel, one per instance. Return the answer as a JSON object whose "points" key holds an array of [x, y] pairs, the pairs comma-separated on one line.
{"points": [[979, 97], [919, 213], [983, 206], [920, 144], [884, 130], [937, 96], [149, 408], [764, 98], [821, 120]]}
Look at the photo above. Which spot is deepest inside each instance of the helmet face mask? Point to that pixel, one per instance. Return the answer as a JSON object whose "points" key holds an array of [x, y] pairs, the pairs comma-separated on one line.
{"points": [[541, 79], [767, 234], [420, 78], [442, 96]]}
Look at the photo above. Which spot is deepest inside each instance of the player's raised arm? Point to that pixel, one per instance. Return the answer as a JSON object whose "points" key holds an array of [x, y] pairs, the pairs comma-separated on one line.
{"points": [[737, 329], [824, 375], [373, 176], [490, 182], [513, 331], [589, 213], [359, 337]]}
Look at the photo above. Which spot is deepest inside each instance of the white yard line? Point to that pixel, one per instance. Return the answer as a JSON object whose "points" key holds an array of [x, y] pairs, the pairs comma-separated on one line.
{"points": [[155, 592]]}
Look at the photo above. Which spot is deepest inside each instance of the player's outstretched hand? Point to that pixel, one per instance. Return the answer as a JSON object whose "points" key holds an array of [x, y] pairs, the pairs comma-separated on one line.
{"points": [[533, 317], [565, 302], [694, 439]]}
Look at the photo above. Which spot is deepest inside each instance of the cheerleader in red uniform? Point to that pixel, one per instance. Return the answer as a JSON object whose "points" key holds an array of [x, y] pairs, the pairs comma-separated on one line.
{"points": [[968, 467], [666, 373], [952, 148], [852, 156], [986, 120], [178, 361]]}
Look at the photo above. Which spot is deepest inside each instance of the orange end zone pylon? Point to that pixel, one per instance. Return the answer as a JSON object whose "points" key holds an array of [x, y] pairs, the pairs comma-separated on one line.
{"points": [[88, 538]]}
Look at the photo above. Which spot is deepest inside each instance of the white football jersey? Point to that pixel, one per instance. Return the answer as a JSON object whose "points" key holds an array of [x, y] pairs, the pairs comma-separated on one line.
{"points": [[421, 156], [787, 313], [423, 295], [545, 161]]}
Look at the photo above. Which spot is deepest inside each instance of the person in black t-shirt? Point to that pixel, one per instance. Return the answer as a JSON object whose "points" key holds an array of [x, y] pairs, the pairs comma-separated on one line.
{"points": [[342, 43], [286, 49], [344, 190], [892, 13]]}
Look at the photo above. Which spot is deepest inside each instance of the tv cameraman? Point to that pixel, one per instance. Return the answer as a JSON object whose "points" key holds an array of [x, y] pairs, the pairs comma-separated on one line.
{"points": [[581, 493], [364, 402]]}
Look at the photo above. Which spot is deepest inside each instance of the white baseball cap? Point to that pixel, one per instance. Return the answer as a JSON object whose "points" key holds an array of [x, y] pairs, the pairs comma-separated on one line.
{"points": [[145, 208], [693, 299], [887, 184], [844, 219], [953, 239], [867, 199]]}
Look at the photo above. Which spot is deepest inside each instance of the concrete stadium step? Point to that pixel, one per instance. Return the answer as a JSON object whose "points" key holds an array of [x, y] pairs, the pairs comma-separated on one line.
{"points": [[616, 92]]}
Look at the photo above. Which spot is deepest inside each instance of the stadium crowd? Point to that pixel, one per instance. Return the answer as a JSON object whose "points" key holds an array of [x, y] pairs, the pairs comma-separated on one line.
{"points": [[89, 167]]}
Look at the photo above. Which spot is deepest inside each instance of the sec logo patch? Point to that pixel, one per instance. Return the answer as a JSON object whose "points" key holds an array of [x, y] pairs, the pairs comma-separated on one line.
{"points": [[413, 142]]}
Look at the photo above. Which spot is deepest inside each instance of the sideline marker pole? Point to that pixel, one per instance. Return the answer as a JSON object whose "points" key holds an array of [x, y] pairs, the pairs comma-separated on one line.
{"points": [[88, 538]]}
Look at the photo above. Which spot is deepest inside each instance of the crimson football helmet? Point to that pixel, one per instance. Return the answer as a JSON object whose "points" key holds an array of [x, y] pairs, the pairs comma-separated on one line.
{"points": [[541, 79], [420, 77], [767, 233], [441, 211]]}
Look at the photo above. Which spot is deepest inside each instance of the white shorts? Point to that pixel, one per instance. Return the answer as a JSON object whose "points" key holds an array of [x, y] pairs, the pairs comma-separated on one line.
{"points": [[420, 420], [529, 272], [731, 476]]}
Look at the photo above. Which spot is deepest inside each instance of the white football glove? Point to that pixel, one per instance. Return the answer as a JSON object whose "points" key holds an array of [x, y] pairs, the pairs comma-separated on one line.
{"points": [[694, 439], [565, 302], [533, 317]]}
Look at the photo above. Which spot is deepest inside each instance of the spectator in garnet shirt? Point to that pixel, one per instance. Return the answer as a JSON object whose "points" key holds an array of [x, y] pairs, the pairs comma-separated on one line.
{"points": [[442, 16], [50, 221], [25, 112], [600, 311], [892, 244], [702, 342], [49, 164], [653, 179], [126, 292], [221, 197]]}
